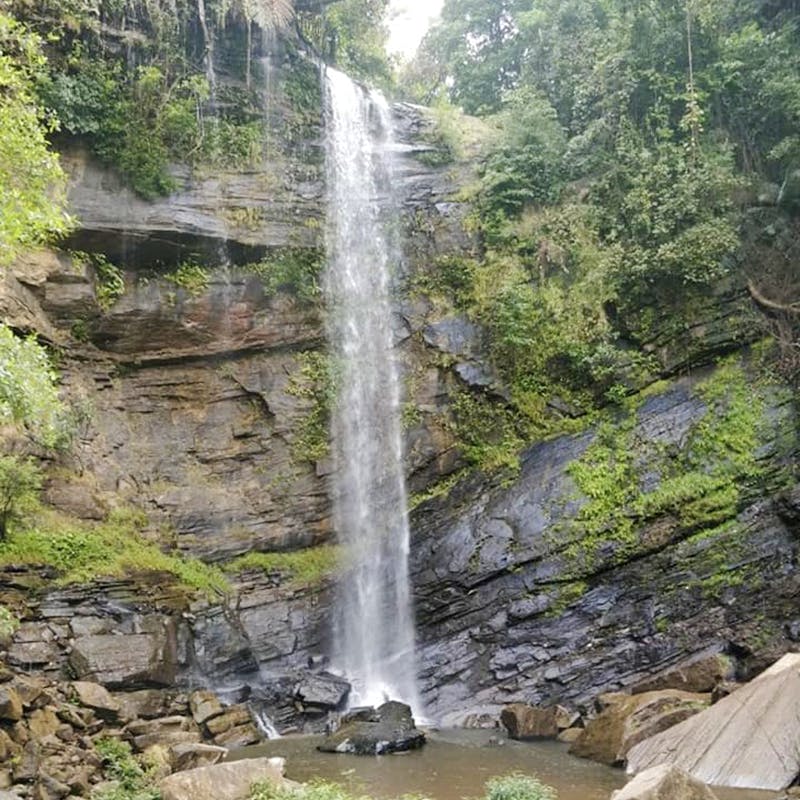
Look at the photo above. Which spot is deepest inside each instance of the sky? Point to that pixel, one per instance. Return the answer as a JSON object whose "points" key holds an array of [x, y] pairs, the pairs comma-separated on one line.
{"points": [[408, 22]]}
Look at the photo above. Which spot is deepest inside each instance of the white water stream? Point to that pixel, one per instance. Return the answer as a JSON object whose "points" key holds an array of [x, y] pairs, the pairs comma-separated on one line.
{"points": [[374, 638]]}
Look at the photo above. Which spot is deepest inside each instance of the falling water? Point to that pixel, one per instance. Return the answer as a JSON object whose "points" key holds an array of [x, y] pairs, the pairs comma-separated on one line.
{"points": [[375, 631]]}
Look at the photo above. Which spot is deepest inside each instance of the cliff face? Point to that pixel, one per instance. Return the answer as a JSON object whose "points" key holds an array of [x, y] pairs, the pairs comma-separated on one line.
{"points": [[200, 391]]}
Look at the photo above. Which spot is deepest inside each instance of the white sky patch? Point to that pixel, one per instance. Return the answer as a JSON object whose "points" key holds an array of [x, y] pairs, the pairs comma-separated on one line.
{"points": [[409, 21]]}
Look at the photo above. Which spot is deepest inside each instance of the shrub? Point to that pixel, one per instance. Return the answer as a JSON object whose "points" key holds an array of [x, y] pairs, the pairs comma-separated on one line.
{"points": [[20, 482], [518, 787]]}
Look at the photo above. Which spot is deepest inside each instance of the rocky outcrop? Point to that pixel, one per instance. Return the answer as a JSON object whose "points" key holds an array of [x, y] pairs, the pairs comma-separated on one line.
{"points": [[378, 731], [748, 739], [517, 601], [223, 781], [626, 721], [664, 783]]}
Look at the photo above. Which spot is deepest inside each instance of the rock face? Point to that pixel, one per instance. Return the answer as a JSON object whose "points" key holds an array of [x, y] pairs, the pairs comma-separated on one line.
{"points": [[629, 720], [518, 602], [373, 732], [664, 783], [748, 739]]}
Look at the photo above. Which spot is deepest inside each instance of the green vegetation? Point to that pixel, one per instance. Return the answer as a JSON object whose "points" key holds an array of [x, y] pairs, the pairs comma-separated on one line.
{"points": [[29, 395], [518, 787], [624, 148], [508, 787], [189, 276], [9, 623], [315, 383], [700, 488], [81, 552], [295, 270], [309, 566], [134, 781], [32, 183], [20, 482]]}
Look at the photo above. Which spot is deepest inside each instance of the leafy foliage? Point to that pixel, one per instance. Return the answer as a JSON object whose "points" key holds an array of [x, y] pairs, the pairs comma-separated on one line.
{"points": [[32, 183], [518, 787], [308, 566], [28, 390], [122, 766], [20, 482]]}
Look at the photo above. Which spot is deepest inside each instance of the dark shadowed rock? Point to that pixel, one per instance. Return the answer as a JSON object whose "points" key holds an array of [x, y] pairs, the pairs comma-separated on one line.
{"points": [[528, 722], [394, 732], [322, 691]]}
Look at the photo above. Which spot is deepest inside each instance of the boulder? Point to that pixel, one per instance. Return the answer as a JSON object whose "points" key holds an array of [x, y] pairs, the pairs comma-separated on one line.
{"points": [[190, 756], [664, 782], [699, 674], [322, 691], [143, 704], [98, 698], [629, 720], [529, 722], [230, 781], [393, 732], [10, 704], [167, 731], [746, 740], [204, 706], [125, 661]]}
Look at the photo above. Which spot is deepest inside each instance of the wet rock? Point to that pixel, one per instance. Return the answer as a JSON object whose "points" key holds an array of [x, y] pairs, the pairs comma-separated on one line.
{"points": [[230, 781], [528, 722], [231, 717], [748, 739], [10, 704], [394, 732], [570, 735], [98, 698], [322, 692], [664, 782], [629, 720]]}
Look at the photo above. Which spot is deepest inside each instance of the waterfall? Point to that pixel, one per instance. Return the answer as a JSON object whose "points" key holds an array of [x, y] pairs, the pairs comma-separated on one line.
{"points": [[374, 634]]}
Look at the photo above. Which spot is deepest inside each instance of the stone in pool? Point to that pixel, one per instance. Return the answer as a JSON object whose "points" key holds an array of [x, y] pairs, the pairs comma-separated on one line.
{"points": [[373, 732]]}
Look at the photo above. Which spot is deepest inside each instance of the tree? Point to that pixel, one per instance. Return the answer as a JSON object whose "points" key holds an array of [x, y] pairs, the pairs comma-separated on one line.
{"points": [[478, 44], [29, 392], [20, 482], [32, 183]]}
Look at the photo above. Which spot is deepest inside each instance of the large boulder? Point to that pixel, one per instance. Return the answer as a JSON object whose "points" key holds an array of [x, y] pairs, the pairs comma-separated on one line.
{"points": [[388, 729], [529, 722], [134, 660], [627, 720], [701, 673], [747, 740], [322, 692], [230, 781], [98, 698], [664, 783], [10, 705]]}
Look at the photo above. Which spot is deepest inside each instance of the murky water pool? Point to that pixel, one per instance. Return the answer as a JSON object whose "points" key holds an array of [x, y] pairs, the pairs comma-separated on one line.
{"points": [[455, 765]]}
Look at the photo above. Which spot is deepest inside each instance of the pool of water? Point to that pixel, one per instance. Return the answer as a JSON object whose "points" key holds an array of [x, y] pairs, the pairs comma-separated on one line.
{"points": [[455, 765]]}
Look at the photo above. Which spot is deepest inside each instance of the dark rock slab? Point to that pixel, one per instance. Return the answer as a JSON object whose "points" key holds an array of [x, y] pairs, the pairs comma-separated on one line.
{"points": [[393, 732]]}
